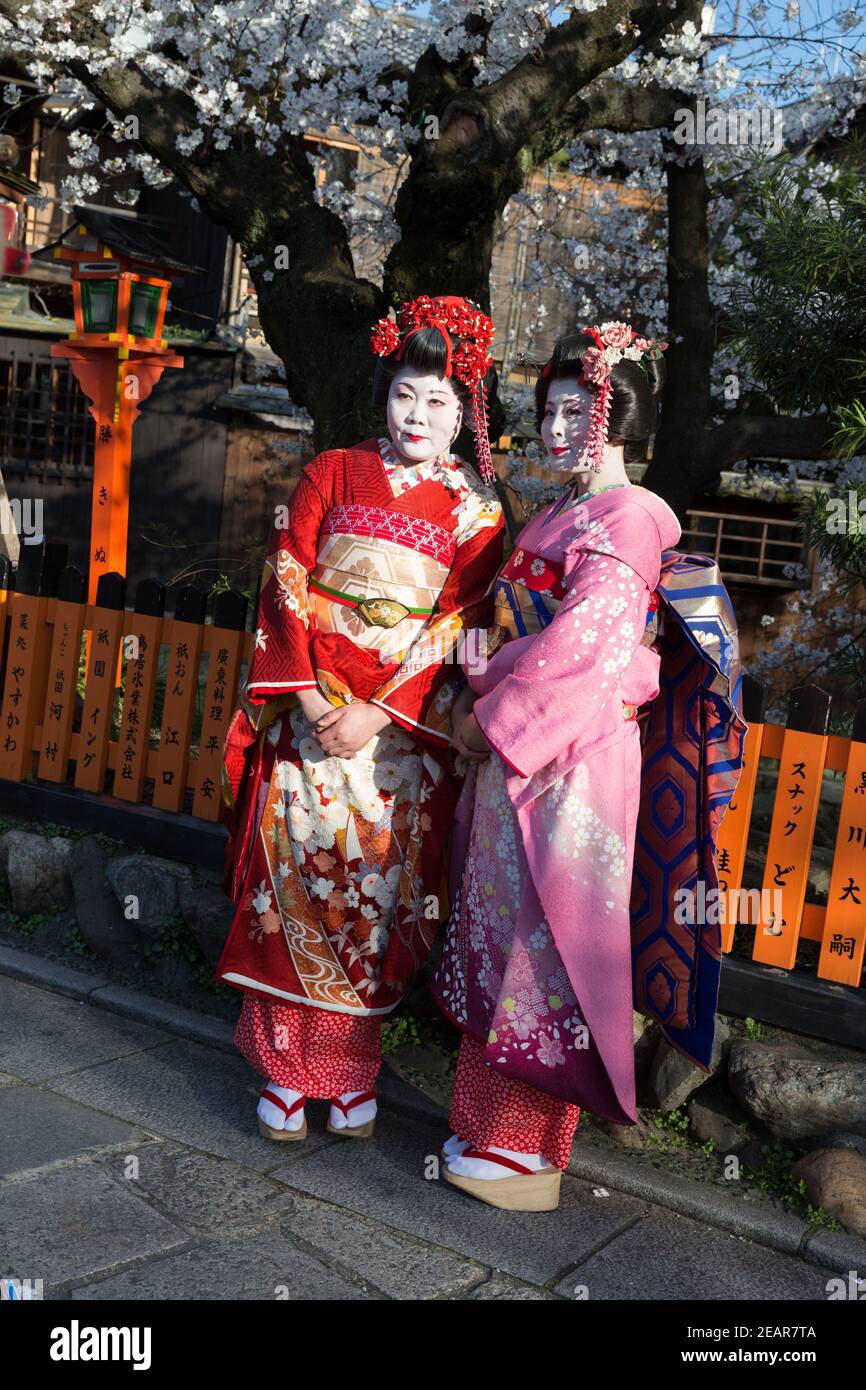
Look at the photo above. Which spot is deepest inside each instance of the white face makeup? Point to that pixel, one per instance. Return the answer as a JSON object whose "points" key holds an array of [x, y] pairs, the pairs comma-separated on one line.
{"points": [[565, 424], [424, 415]]}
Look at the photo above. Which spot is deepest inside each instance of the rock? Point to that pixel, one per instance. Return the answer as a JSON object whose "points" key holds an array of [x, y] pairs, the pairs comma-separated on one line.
{"points": [[53, 932], [645, 1048], [628, 1136], [155, 883], [209, 914], [836, 1181], [36, 873], [841, 1139], [673, 1077], [714, 1113], [796, 1095], [100, 917], [63, 846]]}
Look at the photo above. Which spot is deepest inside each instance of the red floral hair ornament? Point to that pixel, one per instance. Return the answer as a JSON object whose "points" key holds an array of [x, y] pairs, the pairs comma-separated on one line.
{"points": [[468, 359], [614, 342]]}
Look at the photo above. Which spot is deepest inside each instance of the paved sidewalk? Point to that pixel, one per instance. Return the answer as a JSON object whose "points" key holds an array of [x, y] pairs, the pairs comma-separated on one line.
{"points": [[130, 1167]]}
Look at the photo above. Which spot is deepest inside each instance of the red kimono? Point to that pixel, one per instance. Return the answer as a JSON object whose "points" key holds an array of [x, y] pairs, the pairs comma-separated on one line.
{"points": [[337, 863]]}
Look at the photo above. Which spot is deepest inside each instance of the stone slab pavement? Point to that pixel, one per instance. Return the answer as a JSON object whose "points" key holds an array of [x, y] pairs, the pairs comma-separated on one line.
{"points": [[131, 1167]]}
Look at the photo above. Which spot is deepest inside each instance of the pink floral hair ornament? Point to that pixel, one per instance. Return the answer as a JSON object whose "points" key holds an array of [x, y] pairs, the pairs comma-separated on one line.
{"points": [[469, 360], [614, 342]]}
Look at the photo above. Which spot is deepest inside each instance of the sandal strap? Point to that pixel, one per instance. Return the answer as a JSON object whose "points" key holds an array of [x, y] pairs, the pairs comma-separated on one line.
{"points": [[281, 1104], [496, 1158], [346, 1106]]}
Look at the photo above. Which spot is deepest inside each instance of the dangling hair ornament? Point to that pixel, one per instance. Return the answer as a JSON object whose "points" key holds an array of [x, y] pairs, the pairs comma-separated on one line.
{"points": [[613, 342], [469, 360], [528, 366]]}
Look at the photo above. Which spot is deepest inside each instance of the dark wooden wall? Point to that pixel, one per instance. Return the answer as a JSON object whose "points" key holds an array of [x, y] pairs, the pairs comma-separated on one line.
{"points": [[178, 459]]}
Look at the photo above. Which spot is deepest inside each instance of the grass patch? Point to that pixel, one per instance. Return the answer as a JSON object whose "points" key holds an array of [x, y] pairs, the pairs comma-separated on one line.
{"points": [[776, 1176]]}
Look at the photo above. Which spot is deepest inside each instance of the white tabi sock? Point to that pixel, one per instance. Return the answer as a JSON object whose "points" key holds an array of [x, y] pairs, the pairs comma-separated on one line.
{"points": [[455, 1146], [480, 1168], [273, 1116], [358, 1115]]}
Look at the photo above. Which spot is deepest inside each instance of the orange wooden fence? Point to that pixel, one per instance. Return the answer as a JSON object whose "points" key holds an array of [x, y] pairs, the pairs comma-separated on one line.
{"points": [[805, 751], [47, 733]]}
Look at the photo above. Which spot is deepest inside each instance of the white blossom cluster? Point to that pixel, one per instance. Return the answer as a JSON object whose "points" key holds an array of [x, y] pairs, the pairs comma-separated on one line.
{"points": [[268, 69]]}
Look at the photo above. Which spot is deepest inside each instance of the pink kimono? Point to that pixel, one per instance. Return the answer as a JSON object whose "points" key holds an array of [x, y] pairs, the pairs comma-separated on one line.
{"points": [[537, 964]]}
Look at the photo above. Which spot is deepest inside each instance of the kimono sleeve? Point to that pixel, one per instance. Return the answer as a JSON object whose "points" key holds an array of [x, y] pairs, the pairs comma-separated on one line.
{"points": [[281, 660], [563, 682], [421, 692]]}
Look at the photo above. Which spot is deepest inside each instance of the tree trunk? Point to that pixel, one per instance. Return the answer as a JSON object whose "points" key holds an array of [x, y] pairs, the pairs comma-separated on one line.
{"points": [[689, 357]]}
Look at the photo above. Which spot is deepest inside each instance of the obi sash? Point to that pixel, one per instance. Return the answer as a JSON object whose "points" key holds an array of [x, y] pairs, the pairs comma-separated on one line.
{"points": [[378, 575], [529, 590]]}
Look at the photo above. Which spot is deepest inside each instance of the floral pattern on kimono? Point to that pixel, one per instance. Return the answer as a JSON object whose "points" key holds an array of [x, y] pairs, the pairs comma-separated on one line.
{"points": [[336, 863], [536, 962]]}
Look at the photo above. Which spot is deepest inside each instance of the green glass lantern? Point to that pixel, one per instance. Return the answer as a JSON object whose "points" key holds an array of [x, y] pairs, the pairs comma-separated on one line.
{"points": [[144, 304], [99, 306]]}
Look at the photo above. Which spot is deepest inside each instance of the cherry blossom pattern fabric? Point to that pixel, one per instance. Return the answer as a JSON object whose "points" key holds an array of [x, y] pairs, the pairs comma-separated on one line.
{"points": [[536, 964]]}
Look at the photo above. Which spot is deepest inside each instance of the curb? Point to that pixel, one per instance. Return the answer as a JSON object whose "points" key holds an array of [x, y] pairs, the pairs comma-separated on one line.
{"points": [[836, 1251], [789, 1235]]}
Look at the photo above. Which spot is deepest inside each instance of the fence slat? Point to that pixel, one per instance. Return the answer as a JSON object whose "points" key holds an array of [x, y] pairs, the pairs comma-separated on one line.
{"points": [[144, 628], [844, 939], [26, 658], [733, 833], [181, 689], [795, 812], [104, 620], [54, 739], [224, 643]]}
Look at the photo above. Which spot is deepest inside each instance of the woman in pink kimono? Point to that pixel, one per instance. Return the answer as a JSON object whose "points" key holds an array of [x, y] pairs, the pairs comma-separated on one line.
{"points": [[536, 969]]}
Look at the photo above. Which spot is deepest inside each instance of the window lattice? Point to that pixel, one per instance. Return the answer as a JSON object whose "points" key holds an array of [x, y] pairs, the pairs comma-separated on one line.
{"points": [[46, 430]]}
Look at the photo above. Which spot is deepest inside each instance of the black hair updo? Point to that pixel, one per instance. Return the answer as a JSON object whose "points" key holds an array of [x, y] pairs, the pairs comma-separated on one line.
{"points": [[635, 400], [427, 351]]}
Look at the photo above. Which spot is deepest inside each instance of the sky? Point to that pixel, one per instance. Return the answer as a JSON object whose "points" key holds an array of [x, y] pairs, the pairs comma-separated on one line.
{"points": [[768, 47]]}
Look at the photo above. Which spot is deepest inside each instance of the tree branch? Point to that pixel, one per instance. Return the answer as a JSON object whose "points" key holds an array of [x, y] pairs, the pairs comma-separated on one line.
{"points": [[265, 202], [528, 105], [612, 104]]}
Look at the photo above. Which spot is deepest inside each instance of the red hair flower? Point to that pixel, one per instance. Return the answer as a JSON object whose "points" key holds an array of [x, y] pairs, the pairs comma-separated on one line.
{"points": [[468, 334], [385, 337], [457, 317]]}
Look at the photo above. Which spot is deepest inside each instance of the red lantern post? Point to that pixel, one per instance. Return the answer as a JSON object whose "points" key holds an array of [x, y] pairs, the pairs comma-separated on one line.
{"points": [[117, 354]]}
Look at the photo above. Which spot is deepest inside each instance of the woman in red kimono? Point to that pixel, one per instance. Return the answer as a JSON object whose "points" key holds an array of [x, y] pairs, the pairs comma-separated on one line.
{"points": [[338, 781]]}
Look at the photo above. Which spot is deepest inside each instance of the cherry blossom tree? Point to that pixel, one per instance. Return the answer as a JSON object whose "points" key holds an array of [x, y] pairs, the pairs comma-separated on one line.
{"points": [[468, 99], [465, 99]]}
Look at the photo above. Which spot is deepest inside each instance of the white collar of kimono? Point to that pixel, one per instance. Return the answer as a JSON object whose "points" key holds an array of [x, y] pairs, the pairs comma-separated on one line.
{"points": [[446, 468]]}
